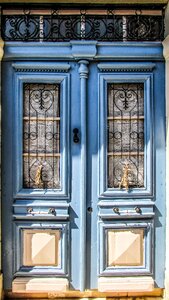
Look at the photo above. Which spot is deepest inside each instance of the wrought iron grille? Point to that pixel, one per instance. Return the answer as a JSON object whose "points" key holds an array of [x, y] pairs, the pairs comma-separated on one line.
{"points": [[83, 25], [125, 124], [41, 136]]}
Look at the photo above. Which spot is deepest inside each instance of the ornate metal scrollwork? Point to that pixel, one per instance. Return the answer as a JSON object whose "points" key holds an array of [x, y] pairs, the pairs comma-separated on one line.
{"points": [[55, 27], [41, 136], [125, 124]]}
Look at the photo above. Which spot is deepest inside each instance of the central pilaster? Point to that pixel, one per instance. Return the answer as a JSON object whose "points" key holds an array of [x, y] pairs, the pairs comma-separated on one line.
{"points": [[83, 72]]}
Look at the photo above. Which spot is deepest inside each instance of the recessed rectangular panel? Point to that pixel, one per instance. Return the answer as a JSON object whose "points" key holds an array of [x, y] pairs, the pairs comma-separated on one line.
{"points": [[125, 247], [41, 136], [125, 122], [41, 247]]}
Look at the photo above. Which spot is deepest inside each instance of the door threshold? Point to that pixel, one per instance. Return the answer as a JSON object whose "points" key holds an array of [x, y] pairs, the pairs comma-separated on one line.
{"points": [[157, 292]]}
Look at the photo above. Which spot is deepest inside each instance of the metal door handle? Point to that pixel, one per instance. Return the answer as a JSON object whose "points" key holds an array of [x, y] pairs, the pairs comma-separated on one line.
{"points": [[38, 176], [32, 212], [137, 210], [75, 135], [124, 180]]}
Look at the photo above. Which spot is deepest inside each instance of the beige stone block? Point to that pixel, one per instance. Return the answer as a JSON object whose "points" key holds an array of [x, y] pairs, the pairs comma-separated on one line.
{"points": [[127, 284], [0, 255], [41, 247], [1, 286], [29, 284], [152, 298], [1, 48], [125, 247]]}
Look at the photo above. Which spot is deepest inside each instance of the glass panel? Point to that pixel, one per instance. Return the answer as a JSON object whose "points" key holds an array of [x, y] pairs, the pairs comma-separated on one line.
{"points": [[125, 122], [41, 247], [125, 247], [41, 136]]}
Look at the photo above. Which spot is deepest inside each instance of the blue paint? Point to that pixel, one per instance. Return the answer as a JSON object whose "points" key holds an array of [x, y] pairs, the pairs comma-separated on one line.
{"points": [[142, 51], [148, 162], [83, 70], [146, 268], [63, 80], [61, 270]]}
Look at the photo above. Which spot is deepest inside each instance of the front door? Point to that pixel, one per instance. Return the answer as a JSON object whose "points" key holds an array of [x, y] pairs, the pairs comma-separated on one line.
{"points": [[83, 174]]}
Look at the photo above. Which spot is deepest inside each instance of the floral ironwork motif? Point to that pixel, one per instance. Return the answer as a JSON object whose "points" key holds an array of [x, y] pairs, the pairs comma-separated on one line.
{"points": [[125, 123], [41, 136], [144, 28], [60, 27]]}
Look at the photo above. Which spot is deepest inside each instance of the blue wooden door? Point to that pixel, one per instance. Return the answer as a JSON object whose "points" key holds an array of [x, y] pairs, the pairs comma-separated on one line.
{"points": [[126, 154], [83, 171]]}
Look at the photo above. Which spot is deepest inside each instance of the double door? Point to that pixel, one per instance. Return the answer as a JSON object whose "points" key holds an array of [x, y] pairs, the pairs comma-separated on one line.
{"points": [[83, 174]]}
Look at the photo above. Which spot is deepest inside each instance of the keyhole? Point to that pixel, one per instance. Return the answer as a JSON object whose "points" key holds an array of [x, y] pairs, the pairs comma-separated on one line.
{"points": [[75, 135], [90, 209]]}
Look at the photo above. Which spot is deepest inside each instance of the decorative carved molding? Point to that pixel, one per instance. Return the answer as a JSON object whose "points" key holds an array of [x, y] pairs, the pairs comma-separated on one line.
{"points": [[83, 69], [34, 67], [115, 67], [82, 50]]}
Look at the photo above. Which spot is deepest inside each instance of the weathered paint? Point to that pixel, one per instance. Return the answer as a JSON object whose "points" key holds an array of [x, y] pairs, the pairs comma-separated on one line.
{"points": [[75, 80], [85, 74], [166, 55]]}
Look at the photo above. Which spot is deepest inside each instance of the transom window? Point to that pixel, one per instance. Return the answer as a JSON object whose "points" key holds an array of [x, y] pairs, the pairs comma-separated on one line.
{"points": [[57, 25]]}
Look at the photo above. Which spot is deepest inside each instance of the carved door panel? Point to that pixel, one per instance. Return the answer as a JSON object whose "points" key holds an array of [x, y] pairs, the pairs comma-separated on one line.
{"points": [[38, 237], [126, 230], [80, 195], [126, 163]]}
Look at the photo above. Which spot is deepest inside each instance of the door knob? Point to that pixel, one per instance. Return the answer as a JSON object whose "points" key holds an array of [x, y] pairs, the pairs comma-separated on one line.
{"points": [[76, 135]]}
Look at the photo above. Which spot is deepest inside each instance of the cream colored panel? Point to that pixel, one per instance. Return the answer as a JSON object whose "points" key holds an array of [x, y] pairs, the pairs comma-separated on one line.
{"points": [[41, 247], [126, 284], [125, 247], [42, 284]]}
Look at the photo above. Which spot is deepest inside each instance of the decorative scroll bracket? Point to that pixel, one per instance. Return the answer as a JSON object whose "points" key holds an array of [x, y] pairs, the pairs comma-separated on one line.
{"points": [[84, 49]]}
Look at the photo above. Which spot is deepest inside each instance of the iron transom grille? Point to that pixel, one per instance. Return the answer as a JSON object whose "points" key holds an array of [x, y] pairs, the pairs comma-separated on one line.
{"points": [[66, 25]]}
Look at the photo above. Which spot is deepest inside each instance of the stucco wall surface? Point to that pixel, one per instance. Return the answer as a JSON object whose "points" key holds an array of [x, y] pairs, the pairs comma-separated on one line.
{"points": [[166, 54]]}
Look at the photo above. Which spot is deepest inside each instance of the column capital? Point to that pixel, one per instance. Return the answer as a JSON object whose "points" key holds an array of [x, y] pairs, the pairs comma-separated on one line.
{"points": [[83, 68]]}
